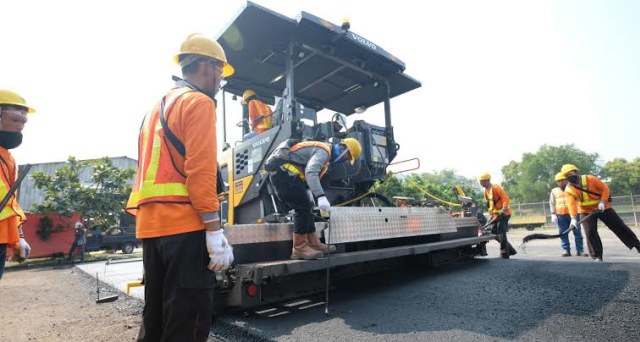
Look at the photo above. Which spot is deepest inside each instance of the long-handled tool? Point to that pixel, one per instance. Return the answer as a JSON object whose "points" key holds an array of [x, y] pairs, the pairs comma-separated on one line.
{"points": [[326, 295], [540, 236], [491, 222], [15, 185], [12, 190], [104, 299]]}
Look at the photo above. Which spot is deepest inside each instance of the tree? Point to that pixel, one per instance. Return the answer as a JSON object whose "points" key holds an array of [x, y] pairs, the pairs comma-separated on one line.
{"points": [[439, 184], [624, 176], [101, 202], [532, 179]]}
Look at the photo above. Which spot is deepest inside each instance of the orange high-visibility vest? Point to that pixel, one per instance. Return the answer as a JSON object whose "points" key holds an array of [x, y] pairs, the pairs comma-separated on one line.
{"points": [[560, 200], [495, 205], [11, 215], [259, 115], [8, 178], [157, 180], [587, 202], [298, 169]]}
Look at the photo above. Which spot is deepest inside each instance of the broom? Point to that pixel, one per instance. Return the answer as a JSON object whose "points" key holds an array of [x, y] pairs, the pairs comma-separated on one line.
{"points": [[553, 236]]}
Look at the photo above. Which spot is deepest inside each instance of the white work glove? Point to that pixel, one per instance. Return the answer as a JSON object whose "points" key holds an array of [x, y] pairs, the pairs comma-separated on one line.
{"points": [[601, 206], [23, 251], [554, 218], [574, 223], [323, 204], [220, 250]]}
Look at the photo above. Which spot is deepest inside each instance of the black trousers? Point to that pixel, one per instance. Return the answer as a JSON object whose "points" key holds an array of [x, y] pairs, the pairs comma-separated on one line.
{"points": [[500, 229], [81, 250], [178, 288], [293, 192], [611, 219]]}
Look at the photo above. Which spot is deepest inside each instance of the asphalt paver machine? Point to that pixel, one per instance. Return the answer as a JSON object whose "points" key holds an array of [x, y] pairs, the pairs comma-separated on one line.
{"points": [[302, 66]]}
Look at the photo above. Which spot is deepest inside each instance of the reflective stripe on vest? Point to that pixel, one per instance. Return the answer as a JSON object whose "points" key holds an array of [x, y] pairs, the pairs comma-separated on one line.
{"points": [[146, 188], [584, 200], [561, 204], [492, 209], [299, 170], [12, 208]]}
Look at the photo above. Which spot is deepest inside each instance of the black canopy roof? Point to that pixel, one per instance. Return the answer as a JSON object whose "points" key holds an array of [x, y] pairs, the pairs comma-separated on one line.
{"points": [[334, 68]]}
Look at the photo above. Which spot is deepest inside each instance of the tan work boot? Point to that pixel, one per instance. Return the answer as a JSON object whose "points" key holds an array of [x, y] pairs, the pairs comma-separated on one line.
{"points": [[302, 250], [314, 242]]}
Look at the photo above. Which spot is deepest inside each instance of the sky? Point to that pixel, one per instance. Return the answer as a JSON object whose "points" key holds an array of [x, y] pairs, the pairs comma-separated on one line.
{"points": [[499, 78]]}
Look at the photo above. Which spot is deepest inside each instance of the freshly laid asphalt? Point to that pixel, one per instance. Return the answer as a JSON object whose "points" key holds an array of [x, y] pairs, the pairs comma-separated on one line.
{"points": [[535, 296]]}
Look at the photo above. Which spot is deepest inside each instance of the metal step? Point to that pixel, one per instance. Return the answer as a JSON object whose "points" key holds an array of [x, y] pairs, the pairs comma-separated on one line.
{"points": [[256, 271]]}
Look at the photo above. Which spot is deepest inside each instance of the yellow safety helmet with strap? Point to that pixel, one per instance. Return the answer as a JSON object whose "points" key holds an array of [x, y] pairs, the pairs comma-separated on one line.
{"points": [[200, 44], [566, 168], [560, 176], [10, 97], [354, 147], [484, 176], [248, 93]]}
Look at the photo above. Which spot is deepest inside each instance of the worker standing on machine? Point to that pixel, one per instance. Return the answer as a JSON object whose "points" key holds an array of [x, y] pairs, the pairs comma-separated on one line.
{"points": [[295, 171]]}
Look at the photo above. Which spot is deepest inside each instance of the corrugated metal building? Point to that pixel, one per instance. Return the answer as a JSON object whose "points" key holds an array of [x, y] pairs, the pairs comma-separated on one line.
{"points": [[29, 194]]}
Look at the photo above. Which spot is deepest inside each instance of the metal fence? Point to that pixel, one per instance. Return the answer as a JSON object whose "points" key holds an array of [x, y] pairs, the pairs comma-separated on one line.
{"points": [[628, 207]]}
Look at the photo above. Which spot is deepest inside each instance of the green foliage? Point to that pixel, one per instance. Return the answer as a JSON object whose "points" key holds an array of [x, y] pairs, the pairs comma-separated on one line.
{"points": [[624, 176], [526, 181], [45, 228], [440, 184], [100, 202], [532, 179]]}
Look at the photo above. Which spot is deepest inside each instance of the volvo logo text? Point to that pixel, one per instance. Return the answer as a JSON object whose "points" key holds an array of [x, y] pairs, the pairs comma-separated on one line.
{"points": [[363, 41], [261, 141]]}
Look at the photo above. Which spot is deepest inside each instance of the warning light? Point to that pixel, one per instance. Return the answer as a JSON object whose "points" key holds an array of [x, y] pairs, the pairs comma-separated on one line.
{"points": [[252, 290]]}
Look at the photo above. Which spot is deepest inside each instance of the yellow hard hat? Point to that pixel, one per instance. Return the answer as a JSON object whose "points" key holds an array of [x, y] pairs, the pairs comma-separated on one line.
{"points": [[248, 93], [200, 44], [10, 97], [484, 176], [354, 147], [566, 168], [560, 176]]}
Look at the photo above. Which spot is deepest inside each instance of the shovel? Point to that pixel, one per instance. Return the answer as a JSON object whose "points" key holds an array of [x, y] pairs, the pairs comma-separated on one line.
{"points": [[540, 236]]}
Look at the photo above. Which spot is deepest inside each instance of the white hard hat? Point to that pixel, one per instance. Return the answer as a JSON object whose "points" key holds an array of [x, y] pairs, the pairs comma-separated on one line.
{"points": [[79, 225]]}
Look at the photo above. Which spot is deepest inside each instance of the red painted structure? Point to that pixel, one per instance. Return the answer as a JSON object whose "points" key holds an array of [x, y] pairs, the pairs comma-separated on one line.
{"points": [[59, 241]]}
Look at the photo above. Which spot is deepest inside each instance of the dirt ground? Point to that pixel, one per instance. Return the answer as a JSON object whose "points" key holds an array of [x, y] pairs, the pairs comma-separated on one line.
{"points": [[59, 304]]}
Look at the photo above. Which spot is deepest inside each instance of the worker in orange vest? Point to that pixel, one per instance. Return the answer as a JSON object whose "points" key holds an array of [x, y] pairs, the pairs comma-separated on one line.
{"points": [[559, 204], [13, 117], [592, 196], [259, 112], [498, 204], [175, 201]]}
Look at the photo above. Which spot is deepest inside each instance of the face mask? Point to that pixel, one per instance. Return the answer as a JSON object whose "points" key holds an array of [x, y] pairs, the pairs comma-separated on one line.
{"points": [[573, 179], [10, 140], [337, 155]]}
